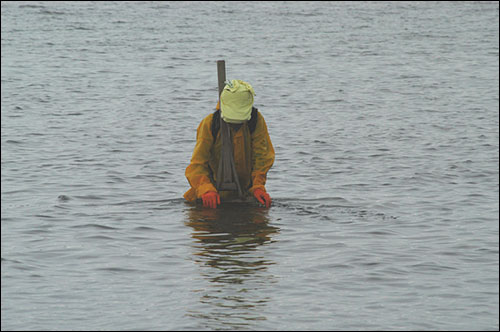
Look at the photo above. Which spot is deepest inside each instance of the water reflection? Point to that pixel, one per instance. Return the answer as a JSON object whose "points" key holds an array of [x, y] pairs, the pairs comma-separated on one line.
{"points": [[228, 247]]}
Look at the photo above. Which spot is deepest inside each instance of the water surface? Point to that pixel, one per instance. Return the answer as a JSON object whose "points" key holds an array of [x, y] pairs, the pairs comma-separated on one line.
{"points": [[384, 118]]}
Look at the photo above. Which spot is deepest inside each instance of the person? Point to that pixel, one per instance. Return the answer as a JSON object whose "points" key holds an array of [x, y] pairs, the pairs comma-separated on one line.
{"points": [[253, 150]]}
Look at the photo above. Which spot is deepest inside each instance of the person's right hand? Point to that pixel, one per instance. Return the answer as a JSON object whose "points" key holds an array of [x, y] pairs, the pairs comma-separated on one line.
{"points": [[210, 199]]}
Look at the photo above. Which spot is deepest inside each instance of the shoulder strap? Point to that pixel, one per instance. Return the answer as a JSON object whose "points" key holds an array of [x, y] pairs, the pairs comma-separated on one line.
{"points": [[252, 124], [253, 120], [215, 124]]}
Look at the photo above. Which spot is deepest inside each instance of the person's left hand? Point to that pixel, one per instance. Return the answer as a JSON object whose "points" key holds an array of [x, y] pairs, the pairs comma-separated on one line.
{"points": [[262, 197]]}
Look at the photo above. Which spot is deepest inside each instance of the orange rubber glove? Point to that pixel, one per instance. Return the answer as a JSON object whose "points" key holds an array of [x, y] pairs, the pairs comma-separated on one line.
{"points": [[262, 197], [210, 199]]}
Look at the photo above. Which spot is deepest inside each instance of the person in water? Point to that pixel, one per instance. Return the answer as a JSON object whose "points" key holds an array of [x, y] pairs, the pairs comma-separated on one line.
{"points": [[253, 152]]}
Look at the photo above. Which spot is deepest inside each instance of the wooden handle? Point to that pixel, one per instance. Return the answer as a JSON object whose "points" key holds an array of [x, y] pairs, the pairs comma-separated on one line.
{"points": [[221, 74]]}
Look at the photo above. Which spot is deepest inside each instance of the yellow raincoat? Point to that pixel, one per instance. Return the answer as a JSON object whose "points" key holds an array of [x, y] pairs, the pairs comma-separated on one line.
{"points": [[253, 157]]}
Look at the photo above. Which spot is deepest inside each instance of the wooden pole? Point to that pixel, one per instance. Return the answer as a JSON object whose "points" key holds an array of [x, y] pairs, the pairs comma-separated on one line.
{"points": [[221, 74], [227, 177]]}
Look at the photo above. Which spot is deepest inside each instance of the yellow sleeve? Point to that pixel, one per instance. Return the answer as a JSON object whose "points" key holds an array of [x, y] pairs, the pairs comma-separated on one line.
{"points": [[262, 156], [198, 171]]}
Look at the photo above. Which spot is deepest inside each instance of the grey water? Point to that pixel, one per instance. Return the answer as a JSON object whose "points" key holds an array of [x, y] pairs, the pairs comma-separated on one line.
{"points": [[385, 121]]}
